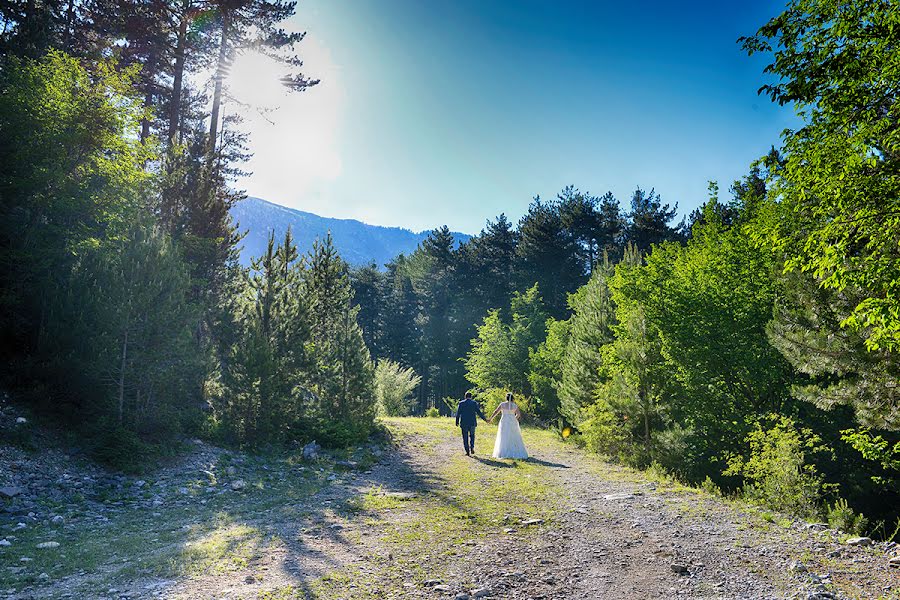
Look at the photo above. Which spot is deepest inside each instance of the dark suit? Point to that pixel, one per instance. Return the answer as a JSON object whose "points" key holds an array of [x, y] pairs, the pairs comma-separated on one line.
{"points": [[466, 414]]}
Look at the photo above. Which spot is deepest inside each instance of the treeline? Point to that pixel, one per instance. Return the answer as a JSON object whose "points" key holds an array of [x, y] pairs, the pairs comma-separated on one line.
{"points": [[124, 312], [422, 310]]}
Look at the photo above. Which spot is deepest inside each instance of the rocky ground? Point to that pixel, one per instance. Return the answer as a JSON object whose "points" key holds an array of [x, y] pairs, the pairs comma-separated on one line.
{"points": [[415, 519]]}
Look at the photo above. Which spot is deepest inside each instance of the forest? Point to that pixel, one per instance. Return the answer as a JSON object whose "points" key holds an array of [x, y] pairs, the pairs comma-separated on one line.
{"points": [[750, 348]]}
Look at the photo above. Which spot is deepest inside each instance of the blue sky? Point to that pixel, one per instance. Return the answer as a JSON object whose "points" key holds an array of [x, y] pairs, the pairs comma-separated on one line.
{"points": [[437, 112]]}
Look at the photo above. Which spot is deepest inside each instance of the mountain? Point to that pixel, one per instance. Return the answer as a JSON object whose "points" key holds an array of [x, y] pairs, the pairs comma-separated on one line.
{"points": [[358, 243]]}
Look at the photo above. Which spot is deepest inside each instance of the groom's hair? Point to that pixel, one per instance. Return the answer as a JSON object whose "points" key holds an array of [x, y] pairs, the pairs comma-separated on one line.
{"points": [[468, 395]]}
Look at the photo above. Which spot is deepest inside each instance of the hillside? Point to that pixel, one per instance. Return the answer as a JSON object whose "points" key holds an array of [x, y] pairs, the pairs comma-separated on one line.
{"points": [[417, 519], [358, 243]]}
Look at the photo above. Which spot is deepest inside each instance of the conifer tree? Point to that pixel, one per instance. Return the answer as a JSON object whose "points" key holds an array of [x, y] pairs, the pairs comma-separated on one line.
{"points": [[593, 315], [548, 255]]}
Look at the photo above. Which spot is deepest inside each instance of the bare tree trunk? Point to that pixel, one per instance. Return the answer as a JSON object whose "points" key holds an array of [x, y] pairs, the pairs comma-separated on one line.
{"points": [[221, 68], [122, 377], [145, 122], [70, 26], [178, 75]]}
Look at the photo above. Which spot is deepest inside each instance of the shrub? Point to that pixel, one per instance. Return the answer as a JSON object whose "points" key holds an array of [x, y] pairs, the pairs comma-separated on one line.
{"points": [[842, 517], [604, 433], [709, 486], [433, 412], [776, 473], [393, 388]]}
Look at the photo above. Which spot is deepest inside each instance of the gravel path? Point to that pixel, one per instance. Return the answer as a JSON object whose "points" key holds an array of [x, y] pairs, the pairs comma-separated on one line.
{"points": [[422, 520]]}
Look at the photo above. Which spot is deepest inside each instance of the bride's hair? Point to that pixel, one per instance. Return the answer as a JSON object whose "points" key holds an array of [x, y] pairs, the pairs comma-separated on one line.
{"points": [[509, 396]]}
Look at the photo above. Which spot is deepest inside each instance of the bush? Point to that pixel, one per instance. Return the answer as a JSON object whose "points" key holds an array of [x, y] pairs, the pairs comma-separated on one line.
{"points": [[843, 518], [606, 434], [393, 388], [776, 473], [709, 486], [119, 448], [433, 412]]}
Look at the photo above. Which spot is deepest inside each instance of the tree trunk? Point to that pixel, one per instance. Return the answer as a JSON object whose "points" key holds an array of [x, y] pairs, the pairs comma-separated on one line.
{"points": [[217, 90], [145, 122], [122, 377], [178, 76], [70, 26]]}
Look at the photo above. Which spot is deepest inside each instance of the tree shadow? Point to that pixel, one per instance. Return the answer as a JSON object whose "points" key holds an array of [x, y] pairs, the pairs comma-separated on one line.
{"points": [[491, 462], [545, 463]]}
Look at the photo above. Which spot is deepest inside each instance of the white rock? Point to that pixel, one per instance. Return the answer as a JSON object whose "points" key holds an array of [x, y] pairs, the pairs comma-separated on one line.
{"points": [[894, 561], [618, 496], [481, 593], [21, 421], [48, 545], [532, 522], [5, 542], [859, 541], [57, 519], [441, 588], [238, 484]]}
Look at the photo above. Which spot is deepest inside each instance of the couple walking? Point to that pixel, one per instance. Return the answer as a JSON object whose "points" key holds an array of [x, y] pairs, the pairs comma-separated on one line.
{"points": [[509, 443]]}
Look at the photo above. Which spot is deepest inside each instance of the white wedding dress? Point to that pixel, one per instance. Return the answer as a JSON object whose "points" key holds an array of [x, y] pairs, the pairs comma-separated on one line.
{"points": [[509, 443]]}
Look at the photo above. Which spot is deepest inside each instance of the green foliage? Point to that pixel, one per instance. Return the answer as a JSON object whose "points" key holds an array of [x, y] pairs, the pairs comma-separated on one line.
{"points": [[590, 329], [877, 449], [298, 367], [491, 398], [342, 375], [394, 385], [834, 206], [545, 370], [835, 366], [93, 290], [843, 518], [263, 394], [500, 355], [71, 176], [604, 432], [433, 413], [491, 361], [777, 469]]}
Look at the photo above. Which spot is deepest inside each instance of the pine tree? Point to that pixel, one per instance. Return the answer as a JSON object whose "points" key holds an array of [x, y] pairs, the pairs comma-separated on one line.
{"points": [[593, 316], [267, 373], [650, 220], [548, 255], [369, 296], [342, 378]]}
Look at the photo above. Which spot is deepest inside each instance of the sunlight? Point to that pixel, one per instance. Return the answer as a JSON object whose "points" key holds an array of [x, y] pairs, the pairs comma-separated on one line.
{"points": [[296, 135]]}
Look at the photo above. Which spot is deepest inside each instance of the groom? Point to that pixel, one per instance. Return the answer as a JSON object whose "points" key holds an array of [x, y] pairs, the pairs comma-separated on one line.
{"points": [[465, 419]]}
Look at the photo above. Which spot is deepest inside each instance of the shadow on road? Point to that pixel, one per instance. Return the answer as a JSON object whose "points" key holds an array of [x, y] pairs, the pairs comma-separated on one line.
{"points": [[545, 463]]}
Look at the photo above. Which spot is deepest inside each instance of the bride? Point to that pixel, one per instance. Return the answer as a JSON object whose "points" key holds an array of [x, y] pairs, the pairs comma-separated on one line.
{"points": [[509, 442]]}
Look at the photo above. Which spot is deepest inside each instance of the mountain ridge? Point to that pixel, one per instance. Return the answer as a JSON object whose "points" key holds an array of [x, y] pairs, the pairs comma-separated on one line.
{"points": [[357, 242]]}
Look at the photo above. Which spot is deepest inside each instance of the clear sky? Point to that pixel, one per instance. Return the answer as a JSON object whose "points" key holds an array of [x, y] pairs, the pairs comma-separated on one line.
{"points": [[435, 112]]}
